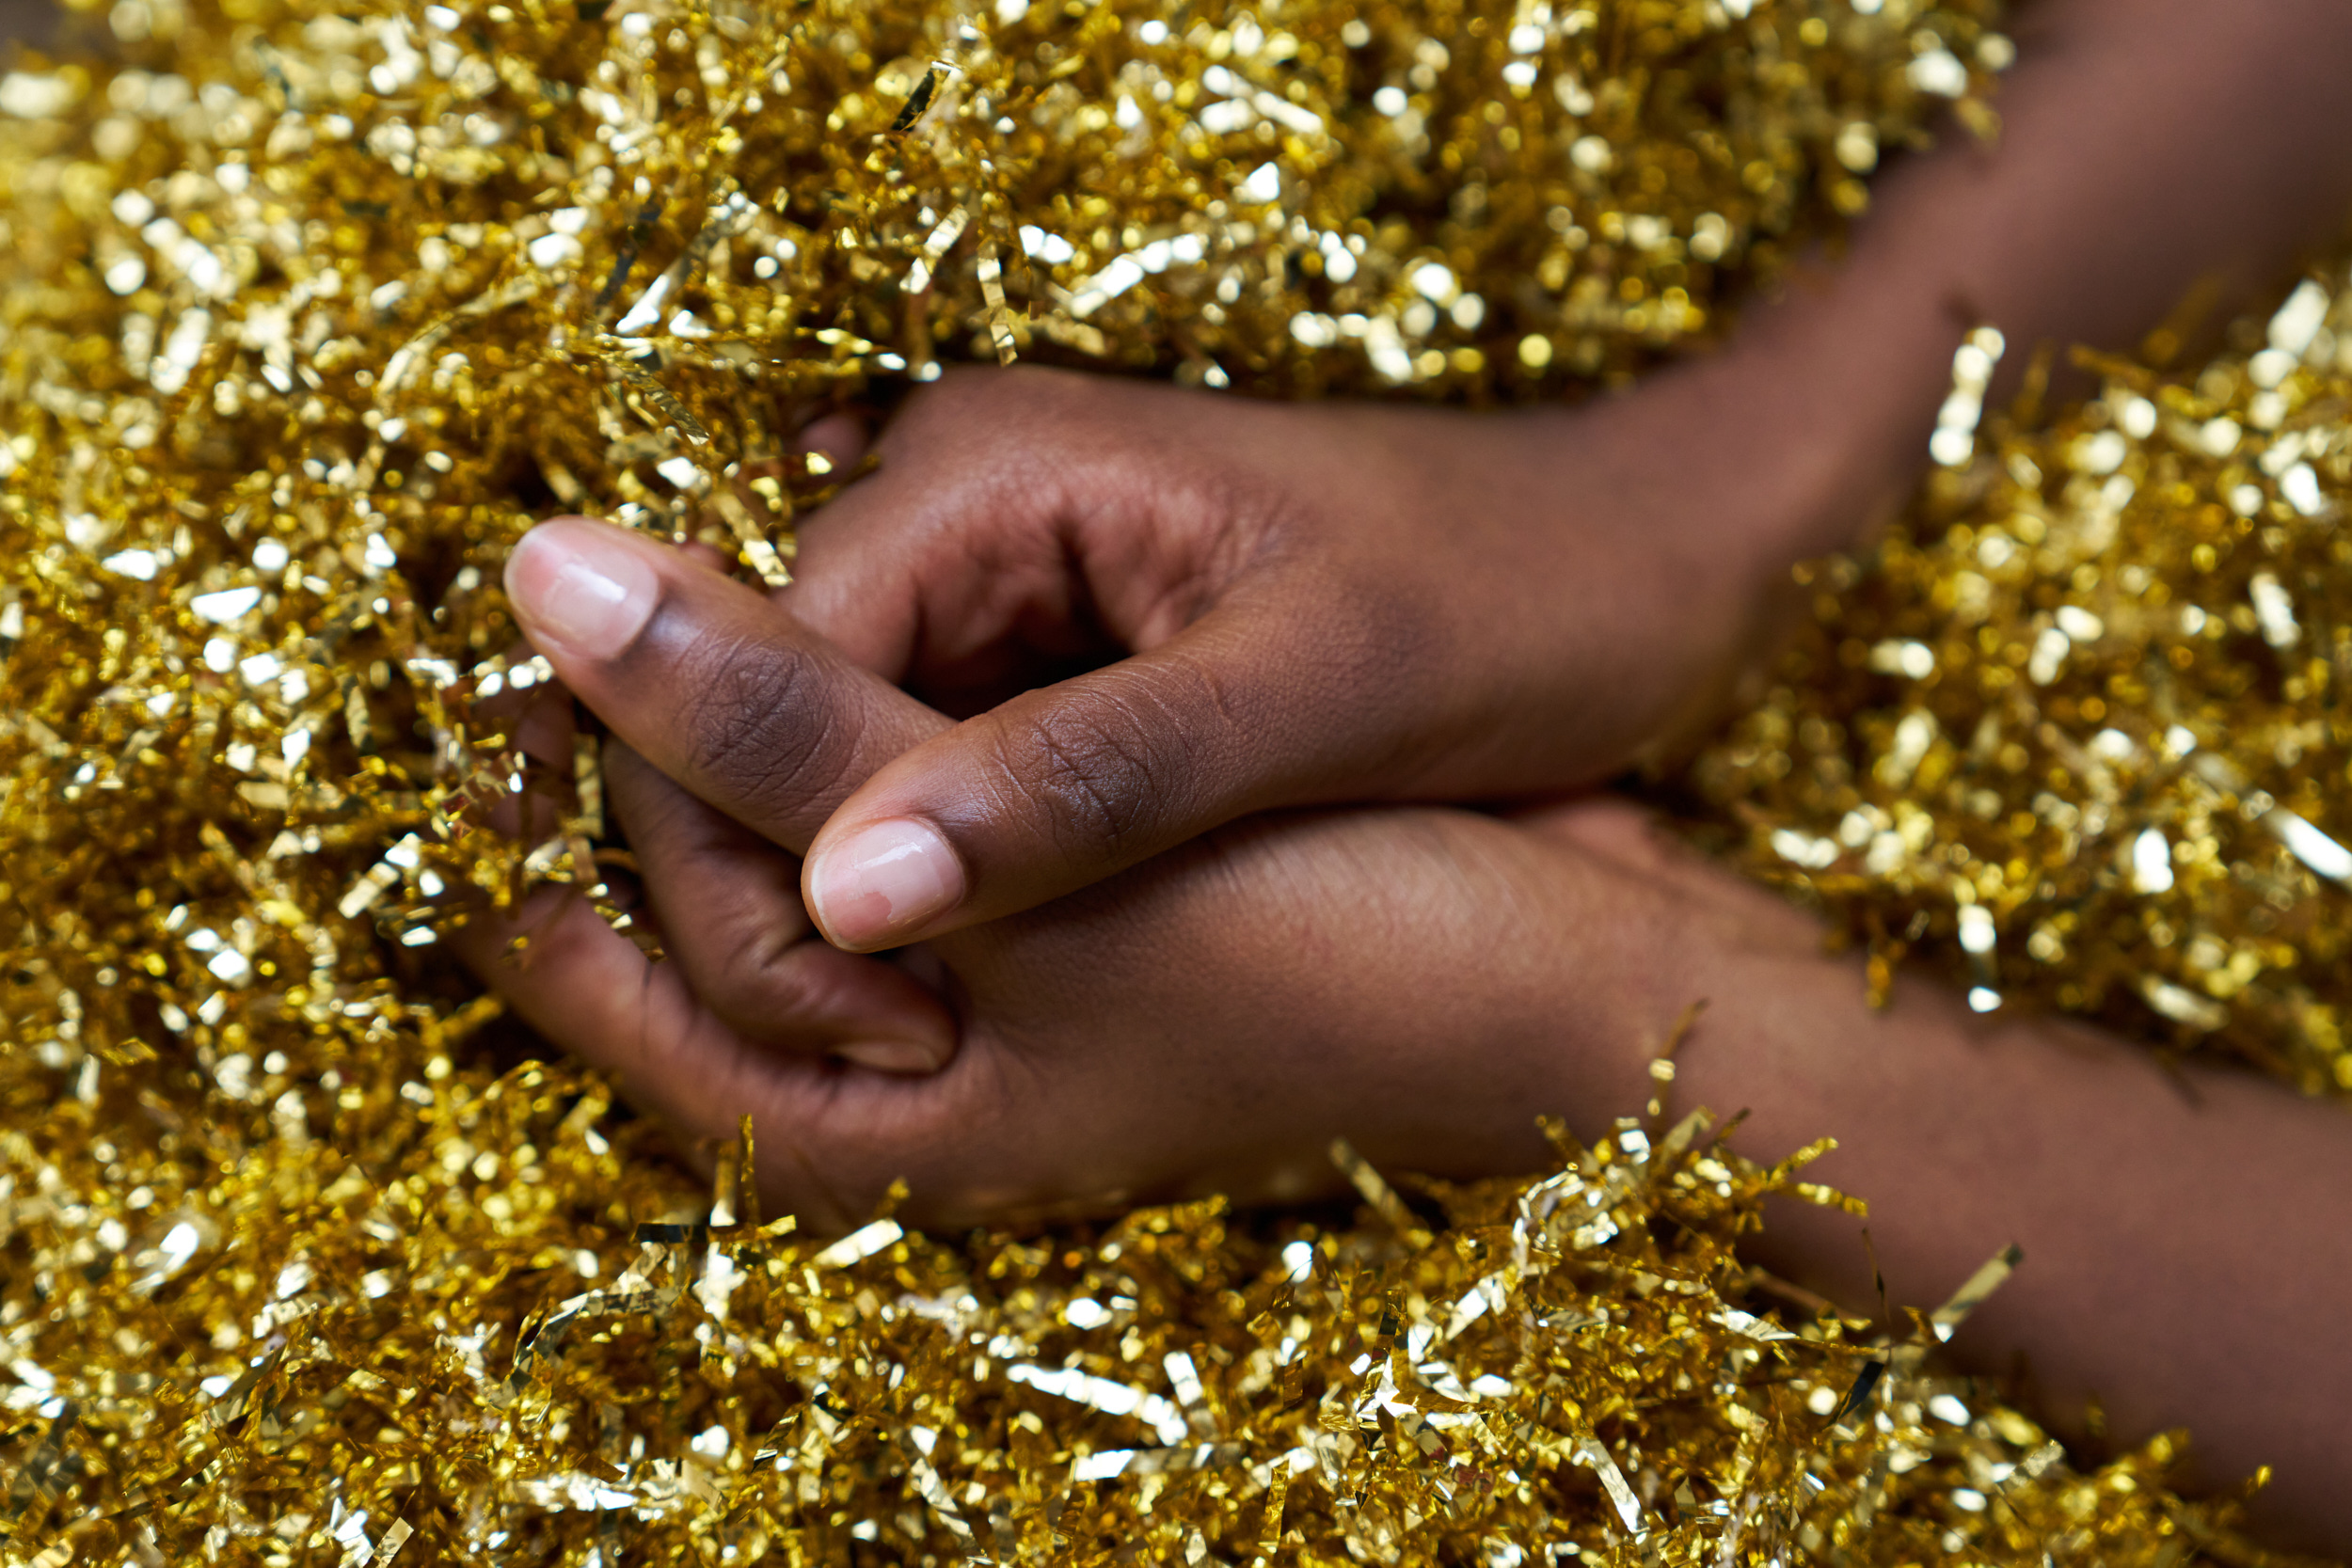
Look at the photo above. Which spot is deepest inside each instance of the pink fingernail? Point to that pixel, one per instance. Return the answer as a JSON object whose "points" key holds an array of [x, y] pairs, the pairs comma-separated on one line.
{"points": [[884, 880], [907, 1058], [577, 584]]}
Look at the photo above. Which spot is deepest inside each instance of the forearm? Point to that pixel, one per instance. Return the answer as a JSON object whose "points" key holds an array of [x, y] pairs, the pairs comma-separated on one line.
{"points": [[2187, 1236], [2148, 150]]}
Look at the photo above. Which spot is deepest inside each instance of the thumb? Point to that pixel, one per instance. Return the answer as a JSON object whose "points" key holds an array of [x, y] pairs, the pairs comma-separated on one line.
{"points": [[705, 678], [1066, 784]]}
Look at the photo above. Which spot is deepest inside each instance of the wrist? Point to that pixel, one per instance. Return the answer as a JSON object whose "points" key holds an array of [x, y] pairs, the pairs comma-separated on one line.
{"points": [[1833, 388], [1635, 935]]}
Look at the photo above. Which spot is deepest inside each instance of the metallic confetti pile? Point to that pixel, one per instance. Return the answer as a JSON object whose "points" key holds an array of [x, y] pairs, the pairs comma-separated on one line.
{"points": [[2077, 731], [450, 1351], [309, 311]]}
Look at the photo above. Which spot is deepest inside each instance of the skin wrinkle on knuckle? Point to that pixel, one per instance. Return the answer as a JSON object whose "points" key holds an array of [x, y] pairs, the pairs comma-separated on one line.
{"points": [[996, 1085], [971, 557], [1159, 544], [653, 1041], [988, 579], [1146, 752], [757, 724], [1241, 536], [658, 817], [1096, 790], [1009, 527]]}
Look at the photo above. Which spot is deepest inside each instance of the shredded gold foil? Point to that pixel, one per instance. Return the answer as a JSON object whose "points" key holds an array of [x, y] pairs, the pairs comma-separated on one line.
{"points": [[310, 311], [454, 1335], [2076, 731]]}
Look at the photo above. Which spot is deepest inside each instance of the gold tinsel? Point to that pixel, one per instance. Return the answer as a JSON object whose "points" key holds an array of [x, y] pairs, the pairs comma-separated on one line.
{"points": [[310, 311], [2077, 730]]}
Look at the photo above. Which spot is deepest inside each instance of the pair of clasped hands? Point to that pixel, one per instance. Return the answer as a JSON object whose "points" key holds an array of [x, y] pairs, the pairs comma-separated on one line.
{"points": [[1085, 823], [1171, 924], [1180, 919]]}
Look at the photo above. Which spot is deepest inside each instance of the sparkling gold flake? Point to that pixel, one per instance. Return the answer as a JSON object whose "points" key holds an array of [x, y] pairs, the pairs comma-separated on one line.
{"points": [[310, 311], [2074, 731]]}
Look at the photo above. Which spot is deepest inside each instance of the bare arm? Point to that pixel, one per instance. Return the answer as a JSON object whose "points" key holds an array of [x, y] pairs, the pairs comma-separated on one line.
{"points": [[2187, 1236], [2184, 1233], [2150, 151]]}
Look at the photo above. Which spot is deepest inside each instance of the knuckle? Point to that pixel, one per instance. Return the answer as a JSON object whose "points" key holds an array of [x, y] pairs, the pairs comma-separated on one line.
{"points": [[654, 814], [1113, 770], [758, 726], [1094, 783]]}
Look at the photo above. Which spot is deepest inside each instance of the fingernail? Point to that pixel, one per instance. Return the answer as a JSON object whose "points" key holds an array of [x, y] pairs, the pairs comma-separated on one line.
{"points": [[883, 881], [578, 585], [906, 1057]]}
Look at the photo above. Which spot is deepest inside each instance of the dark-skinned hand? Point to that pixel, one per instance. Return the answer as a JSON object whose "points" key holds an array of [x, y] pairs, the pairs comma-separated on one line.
{"points": [[1423, 982]]}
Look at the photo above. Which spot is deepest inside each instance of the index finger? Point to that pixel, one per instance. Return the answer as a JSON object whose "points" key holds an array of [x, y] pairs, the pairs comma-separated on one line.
{"points": [[706, 678]]}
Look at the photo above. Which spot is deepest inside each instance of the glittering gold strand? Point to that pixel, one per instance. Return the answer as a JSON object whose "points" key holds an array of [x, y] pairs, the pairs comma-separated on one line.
{"points": [[2076, 731], [310, 312], [455, 1332]]}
